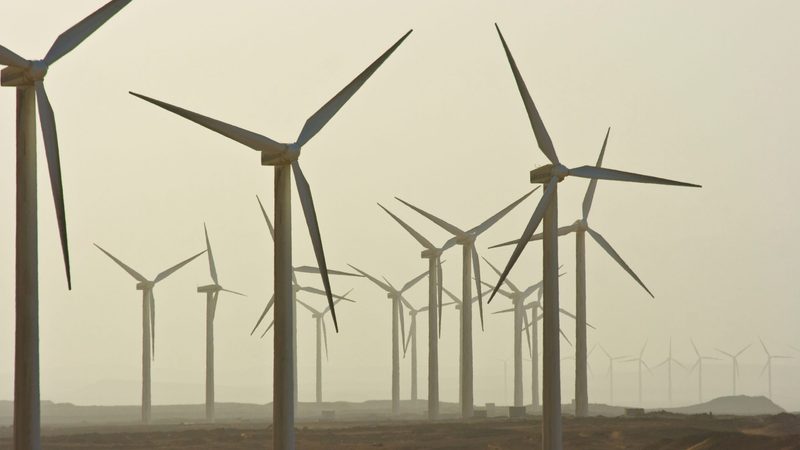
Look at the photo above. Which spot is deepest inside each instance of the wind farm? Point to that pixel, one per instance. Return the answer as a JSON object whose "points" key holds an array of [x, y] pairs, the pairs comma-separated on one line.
{"points": [[370, 315]]}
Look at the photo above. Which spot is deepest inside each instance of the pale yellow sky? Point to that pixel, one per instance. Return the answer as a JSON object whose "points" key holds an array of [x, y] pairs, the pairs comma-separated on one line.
{"points": [[699, 91]]}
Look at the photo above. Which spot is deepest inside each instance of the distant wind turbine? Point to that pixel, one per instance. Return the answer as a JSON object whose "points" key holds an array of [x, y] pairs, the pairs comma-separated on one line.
{"points": [[28, 77], [285, 158], [611, 360], [322, 333], [768, 366], [640, 362], [735, 363], [471, 261], [296, 287], [698, 364], [547, 210], [148, 321], [411, 341], [668, 362], [433, 255], [212, 294], [398, 326]]}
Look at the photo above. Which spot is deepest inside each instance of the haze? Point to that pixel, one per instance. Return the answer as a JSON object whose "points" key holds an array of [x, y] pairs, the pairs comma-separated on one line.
{"points": [[697, 91]]}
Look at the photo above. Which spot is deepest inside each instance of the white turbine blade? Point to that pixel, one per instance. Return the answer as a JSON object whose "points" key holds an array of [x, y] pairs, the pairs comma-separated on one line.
{"points": [[9, 58], [452, 229], [421, 239], [694, 366], [567, 313], [266, 310], [308, 307], [406, 303], [605, 351], [744, 349], [766, 365], [130, 271], [48, 123], [172, 269], [565, 337], [325, 337], [527, 332], [562, 231], [539, 130], [613, 253], [502, 292], [680, 364], [591, 351], [533, 224], [240, 135], [476, 262], [646, 367], [413, 281], [338, 299], [315, 123], [507, 281], [601, 173], [315, 270], [503, 311], [307, 202], [212, 267], [764, 347], [724, 352], [71, 38], [495, 218], [380, 283], [532, 288], [402, 323], [233, 292], [267, 330], [452, 296], [408, 339], [266, 218], [587, 199]]}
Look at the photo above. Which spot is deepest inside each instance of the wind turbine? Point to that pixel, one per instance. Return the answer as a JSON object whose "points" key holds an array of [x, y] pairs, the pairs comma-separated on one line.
{"points": [[148, 321], [285, 158], [459, 307], [735, 360], [296, 287], [547, 210], [699, 366], [212, 294], [641, 363], [668, 362], [580, 227], [466, 239], [27, 76], [398, 326], [533, 342], [433, 255], [411, 340], [768, 365], [611, 360], [322, 333]]}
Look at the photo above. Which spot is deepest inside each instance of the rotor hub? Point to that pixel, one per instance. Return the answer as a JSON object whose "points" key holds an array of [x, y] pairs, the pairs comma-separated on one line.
{"points": [[290, 154], [543, 175], [581, 225], [37, 70]]}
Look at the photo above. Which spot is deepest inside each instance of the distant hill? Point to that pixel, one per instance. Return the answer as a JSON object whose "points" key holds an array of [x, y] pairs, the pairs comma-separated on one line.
{"points": [[739, 405]]}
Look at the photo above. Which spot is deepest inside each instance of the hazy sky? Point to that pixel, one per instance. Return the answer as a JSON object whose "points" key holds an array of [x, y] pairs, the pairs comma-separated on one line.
{"points": [[703, 92]]}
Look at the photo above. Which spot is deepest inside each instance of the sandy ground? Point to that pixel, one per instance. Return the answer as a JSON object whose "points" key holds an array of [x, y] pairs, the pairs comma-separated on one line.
{"points": [[654, 431]]}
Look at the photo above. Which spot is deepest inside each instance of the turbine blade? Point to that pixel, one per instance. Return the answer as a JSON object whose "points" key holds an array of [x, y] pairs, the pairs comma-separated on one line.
{"points": [[153, 325], [308, 307], [527, 332], [565, 337], [48, 124], [267, 330], [602, 173], [421, 239], [9, 58], [724, 352], [744, 349], [172, 269], [697, 352], [503, 311], [452, 296], [440, 288], [764, 347], [539, 130], [320, 118], [613, 253], [212, 267], [495, 218], [240, 135], [507, 280], [587, 199], [533, 224], [408, 339], [380, 283], [233, 292], [476, 262], [71, 38], [307, 202], [266, 310], [130, 271], [413, 281], [766, 365], [402, 323], [562, 231], [315, 270], [452, 229], [266, 218]]}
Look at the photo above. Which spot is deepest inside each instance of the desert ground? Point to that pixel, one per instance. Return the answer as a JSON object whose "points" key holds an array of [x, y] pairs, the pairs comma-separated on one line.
{"points": [[651, 431]]}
